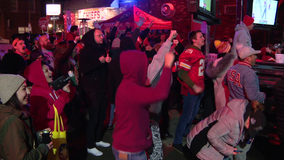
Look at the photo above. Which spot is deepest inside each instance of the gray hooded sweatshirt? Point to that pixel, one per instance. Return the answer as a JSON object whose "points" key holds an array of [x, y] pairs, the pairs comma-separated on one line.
{"points": [[242, 35]]}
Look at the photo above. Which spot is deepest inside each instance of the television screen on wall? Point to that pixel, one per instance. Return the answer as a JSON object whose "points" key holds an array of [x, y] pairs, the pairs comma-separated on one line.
{"points": [[264, 12], [203, 10], [205, 4]]}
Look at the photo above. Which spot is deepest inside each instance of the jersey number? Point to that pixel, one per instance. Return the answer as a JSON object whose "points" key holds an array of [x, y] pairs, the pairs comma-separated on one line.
{"points": [[235, 78], [201, 68]]}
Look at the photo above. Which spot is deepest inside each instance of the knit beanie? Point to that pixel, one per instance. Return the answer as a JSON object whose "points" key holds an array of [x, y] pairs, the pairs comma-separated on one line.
{"points": [[222, 47], [248, 20], [9, 84]]}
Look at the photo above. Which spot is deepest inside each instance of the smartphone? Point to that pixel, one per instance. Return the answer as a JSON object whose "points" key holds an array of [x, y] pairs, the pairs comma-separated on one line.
{"points": [[238, 151], [46, 136]]}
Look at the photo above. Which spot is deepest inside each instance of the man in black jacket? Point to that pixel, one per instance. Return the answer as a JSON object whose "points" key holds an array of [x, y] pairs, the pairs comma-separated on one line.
{"points": [[93, 63]]}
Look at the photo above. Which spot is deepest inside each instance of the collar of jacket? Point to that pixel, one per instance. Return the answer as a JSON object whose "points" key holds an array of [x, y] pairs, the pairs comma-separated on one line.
{"points": [[192, 46], [244, 63], [8, 110]]}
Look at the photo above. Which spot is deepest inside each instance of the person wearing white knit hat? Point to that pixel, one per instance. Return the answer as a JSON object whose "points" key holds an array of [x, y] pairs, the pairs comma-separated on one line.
{"points": [[9, 84], [16, 138]]}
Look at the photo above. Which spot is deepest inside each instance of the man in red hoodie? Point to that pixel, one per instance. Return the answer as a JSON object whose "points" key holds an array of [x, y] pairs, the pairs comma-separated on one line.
{"points": [[132, 134]]}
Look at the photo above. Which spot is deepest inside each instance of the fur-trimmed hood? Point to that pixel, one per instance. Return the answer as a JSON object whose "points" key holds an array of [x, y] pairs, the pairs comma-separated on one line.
{"points": [[219, 67]]}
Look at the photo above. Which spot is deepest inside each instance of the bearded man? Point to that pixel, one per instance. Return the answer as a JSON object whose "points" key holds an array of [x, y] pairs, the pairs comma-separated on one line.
{"points": [[46, 48]]}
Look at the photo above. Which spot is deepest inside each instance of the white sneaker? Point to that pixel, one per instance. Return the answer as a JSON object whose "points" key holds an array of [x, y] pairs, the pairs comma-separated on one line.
{"points": [[102, 144], [94, 151]]}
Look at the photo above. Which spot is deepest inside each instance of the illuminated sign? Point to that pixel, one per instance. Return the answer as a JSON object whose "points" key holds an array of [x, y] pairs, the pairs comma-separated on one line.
{"points": [[53, 9], [98, 14]]}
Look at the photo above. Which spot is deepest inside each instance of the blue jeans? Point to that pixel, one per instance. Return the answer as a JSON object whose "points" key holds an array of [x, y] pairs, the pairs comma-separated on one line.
{"points": [[112, 106], [191, 105], [120, 155]]}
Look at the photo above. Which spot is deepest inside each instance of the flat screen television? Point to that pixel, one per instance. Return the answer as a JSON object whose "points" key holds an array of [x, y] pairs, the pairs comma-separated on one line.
{"points": [[205, 6], [204, 10], [264, 13]]}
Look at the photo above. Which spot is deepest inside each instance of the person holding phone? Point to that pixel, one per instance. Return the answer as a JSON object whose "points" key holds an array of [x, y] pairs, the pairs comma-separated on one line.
{"points": [[218, 135], [43, 96], [16, 138]]}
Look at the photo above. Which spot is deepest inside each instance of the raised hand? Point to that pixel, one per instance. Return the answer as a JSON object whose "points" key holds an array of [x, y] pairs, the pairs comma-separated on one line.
{"points": [[173, 35], [141, 21], [116, 23]]}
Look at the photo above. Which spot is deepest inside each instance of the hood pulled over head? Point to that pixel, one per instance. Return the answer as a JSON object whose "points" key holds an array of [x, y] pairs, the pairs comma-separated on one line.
{"points": [[133, 66], [34, 74]]}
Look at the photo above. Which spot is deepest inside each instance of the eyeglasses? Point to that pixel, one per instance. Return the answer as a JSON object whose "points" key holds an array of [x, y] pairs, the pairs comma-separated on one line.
{"points": [[100, 35]]}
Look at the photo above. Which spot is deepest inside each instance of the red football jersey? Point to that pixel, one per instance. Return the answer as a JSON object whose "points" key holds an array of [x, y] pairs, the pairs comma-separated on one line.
{"points": [[192, 61]]}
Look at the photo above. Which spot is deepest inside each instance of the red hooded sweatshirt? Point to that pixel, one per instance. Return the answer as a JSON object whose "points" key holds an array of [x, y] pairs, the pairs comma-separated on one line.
{"points": [[43, 97], [132, 132]]}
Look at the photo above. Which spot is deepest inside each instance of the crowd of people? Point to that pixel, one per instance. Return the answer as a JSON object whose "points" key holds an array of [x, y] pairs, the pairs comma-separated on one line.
{"points": [[140, 76]]}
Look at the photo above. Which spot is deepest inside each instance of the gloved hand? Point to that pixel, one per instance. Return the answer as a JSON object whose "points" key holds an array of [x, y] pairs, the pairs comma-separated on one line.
{"points": [[141, 21]]}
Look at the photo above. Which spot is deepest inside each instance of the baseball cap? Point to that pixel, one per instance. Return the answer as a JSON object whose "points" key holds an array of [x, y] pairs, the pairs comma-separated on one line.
{"points": [[247, 51], [257, 123]]}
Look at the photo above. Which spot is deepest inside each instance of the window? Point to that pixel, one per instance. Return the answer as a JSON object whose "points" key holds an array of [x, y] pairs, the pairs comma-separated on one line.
{"points": [[22, 30], [14, 5]]}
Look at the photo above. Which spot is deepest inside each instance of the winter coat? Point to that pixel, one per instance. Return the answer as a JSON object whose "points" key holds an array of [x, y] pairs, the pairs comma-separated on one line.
{"points": [[217, 70], [243, 83], [242, 35], [94, 72], [222, 136], [16, 138], [43, 97], [155, 70]]}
